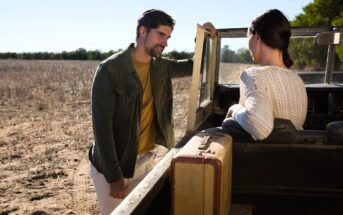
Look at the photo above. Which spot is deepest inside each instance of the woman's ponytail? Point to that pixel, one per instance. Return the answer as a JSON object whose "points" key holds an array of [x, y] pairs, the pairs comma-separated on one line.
{"points": [[287, 60]]}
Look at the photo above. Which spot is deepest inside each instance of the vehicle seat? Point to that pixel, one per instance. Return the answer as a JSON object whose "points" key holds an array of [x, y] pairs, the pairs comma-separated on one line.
{"points": [[335, 132], [285, 132]]}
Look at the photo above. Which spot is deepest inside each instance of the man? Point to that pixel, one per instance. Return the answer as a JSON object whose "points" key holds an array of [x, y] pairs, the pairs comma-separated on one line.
{"points": [[132, 110]]}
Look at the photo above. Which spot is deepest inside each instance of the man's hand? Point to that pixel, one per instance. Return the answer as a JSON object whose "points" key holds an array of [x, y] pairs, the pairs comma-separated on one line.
{"points": [[117, 189], [210, 27]]}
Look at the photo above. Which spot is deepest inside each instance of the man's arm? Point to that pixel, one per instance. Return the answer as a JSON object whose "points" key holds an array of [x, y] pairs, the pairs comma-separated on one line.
{"points": [[182, 68]]}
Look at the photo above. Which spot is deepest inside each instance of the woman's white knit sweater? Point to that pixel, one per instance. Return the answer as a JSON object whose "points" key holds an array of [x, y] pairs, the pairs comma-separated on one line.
{"points": [[266, 93]]}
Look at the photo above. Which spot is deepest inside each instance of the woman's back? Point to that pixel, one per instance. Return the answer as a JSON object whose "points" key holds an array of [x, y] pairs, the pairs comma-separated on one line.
{"points": [[270, 92]]}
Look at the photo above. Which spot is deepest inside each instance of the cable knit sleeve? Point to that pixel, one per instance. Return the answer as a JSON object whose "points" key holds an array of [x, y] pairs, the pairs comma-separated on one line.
{"points": [[255, 114]]}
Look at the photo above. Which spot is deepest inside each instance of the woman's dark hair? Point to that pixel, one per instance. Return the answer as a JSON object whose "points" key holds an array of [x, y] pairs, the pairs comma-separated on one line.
{"points": [[275, 31], [153, 18]]}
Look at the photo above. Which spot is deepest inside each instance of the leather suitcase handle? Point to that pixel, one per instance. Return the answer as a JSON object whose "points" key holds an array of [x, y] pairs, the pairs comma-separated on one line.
{"points": [[205, 142], [204, 146]]}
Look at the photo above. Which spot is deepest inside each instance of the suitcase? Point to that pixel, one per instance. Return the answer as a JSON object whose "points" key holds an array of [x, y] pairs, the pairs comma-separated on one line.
{"points": [[201, 175]]}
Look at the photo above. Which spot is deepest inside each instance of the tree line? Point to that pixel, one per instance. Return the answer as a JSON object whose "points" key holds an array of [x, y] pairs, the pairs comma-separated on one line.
{"points": [[81, 54], [228, 55]]}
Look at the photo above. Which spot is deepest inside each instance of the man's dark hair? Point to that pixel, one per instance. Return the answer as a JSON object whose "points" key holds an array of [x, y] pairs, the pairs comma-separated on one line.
{"points": [[153, 18]]}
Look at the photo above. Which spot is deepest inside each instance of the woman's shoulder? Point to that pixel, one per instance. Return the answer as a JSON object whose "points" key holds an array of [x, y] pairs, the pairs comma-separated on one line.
{"points": [[252, 71], [249, 76], [256, 71], [267, 74], [263, 70], [259, 69], [266, 69]]}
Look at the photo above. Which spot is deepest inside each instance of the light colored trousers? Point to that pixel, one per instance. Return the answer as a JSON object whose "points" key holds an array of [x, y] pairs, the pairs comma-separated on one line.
{"points": [[145, 162]]}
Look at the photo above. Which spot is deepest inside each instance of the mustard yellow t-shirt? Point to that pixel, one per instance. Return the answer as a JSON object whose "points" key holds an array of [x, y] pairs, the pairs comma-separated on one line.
{"points": [[147, 133]]}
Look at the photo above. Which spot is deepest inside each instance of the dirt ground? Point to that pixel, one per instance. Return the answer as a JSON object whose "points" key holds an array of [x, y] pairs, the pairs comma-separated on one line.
{"points": [[45, 132]]}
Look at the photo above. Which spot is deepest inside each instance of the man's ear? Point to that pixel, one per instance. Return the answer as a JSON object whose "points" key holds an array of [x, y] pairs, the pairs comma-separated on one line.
{"points": [[142, 31]]}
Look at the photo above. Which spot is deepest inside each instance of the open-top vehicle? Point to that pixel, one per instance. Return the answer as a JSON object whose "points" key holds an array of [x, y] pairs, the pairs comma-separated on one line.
{"points": [[303, 173]]}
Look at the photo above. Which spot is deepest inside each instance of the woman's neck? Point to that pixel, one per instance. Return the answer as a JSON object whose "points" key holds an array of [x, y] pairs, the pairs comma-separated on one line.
{"points": [[272, 57]]}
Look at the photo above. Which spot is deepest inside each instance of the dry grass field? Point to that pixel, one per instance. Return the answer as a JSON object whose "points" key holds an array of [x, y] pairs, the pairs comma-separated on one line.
{"points": [[45, 132]]}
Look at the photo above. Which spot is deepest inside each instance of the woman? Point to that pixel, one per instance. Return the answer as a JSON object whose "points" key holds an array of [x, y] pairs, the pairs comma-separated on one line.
{"points": [[272, 90]]}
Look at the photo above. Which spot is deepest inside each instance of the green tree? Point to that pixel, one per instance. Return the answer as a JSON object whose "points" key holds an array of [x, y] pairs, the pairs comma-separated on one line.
{"points": [[56, 56], [94, 55], [8, 55], [227, 55], [64, 55], [317, 13], [320, 13], [339, 49], [244, 56], [178, 55], [81, 54]]}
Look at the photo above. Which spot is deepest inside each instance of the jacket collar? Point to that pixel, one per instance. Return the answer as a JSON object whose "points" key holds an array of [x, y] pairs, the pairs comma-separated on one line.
{"points": [[127, 54]]}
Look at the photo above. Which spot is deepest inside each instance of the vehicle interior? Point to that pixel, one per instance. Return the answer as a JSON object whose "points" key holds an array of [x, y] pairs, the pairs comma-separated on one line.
{"points": [[218, 91]]}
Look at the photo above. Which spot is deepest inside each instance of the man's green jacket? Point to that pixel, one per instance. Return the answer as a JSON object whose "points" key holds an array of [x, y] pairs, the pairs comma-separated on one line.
{"points": [[116, 106]]}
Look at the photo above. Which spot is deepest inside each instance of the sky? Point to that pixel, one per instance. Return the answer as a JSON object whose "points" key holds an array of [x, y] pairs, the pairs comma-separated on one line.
{"points": [[66, 25]]}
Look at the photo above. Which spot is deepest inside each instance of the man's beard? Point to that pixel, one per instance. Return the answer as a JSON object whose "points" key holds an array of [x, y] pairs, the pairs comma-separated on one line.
{"points": [[154, 53]]}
